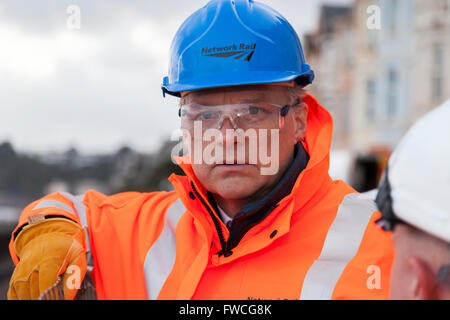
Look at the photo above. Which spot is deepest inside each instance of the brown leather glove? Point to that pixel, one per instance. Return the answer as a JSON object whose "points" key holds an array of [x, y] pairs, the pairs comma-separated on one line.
{"points": [[47, 249]]}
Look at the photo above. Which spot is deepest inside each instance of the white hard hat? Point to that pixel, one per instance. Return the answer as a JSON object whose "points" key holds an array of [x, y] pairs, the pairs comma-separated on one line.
{"points": [[416, 186]]}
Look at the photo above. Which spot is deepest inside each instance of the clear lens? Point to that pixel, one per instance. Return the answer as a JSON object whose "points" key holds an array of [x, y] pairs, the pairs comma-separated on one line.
{"points": [[259, 115]]}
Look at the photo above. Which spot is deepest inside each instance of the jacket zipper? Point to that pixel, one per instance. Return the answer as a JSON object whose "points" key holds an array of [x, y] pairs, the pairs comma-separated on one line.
{"points": [[215, 220]]}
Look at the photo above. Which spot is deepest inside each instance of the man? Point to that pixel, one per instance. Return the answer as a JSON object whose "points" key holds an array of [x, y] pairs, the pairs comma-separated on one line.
{"points": [[413, 198], [241, 224]]}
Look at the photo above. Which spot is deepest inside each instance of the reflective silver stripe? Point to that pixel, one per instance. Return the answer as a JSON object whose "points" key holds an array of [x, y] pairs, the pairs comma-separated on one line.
{"points": [[80, 208], [341, 245], [371, 194], [81, 211], [160, 258], [87, 290], [53, 204]]}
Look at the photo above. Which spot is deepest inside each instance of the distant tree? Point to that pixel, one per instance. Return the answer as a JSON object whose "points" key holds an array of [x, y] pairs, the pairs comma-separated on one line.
{"points": [[151, 171], [126, 170], [8, 158]]}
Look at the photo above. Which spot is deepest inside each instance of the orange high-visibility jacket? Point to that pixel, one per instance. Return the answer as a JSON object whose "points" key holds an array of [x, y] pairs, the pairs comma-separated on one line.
{"points": [[319, 242]]}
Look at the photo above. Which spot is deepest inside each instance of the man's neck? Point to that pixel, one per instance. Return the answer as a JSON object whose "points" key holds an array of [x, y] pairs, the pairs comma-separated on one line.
{"points": [[230, 206]]}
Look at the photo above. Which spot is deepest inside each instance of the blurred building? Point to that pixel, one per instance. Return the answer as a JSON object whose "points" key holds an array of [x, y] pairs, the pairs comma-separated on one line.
{"points": [[431, 87], [330, 53], [377, 79]]}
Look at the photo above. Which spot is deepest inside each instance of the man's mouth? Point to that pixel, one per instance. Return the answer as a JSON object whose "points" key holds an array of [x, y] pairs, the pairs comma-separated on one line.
{"points": [[232, 165]]}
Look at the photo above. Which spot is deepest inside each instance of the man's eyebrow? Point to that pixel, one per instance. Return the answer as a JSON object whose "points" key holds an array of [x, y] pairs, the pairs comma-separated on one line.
{"points": [[258, 98]]}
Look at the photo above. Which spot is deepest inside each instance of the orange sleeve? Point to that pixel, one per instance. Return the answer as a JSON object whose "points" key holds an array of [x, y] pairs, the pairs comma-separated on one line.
{"points": [[367, 275]]}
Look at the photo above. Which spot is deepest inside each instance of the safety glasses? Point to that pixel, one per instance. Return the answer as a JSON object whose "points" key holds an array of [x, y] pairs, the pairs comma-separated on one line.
{"points": [[243, 115]]}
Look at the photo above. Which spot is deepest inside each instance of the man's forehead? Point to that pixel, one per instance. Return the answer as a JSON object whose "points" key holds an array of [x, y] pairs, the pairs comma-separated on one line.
{"points": [[244, 93]]}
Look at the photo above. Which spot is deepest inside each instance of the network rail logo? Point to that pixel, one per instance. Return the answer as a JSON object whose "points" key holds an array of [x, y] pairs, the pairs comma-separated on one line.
{"points": [[241, 51]]}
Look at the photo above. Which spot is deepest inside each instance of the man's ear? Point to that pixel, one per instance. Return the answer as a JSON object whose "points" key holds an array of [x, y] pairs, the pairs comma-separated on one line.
{"points": [[300, 118], [424, 283]]}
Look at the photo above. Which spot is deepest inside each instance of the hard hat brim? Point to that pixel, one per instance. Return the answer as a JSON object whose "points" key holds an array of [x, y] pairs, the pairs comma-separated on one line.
{"points": [[236, 79]]}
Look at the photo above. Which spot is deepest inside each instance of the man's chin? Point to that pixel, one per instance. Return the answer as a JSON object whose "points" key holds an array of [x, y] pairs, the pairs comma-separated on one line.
{"points": [[235, 187]]}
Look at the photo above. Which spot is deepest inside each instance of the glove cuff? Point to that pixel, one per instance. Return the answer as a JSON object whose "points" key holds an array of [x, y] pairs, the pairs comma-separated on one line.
{"points": [[53, 225]]}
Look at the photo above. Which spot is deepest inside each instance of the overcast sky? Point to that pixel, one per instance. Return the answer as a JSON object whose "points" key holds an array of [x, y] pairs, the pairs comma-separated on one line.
{"points": [[98, 87]]}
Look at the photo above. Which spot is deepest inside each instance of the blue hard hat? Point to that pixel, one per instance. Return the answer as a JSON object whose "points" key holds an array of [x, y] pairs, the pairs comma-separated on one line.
{"points": [[235, 42]]}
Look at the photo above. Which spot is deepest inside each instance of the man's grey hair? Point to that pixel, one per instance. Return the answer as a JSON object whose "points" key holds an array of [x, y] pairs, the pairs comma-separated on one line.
{"points": [[296, 92]]}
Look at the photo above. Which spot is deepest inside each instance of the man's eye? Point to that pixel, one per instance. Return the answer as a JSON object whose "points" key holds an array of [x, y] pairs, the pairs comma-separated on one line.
{"points": [[206, 115], [254, 111]]}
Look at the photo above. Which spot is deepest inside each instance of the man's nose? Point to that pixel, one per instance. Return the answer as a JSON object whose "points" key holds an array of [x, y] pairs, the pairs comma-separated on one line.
{"points": [[227, 122]]}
